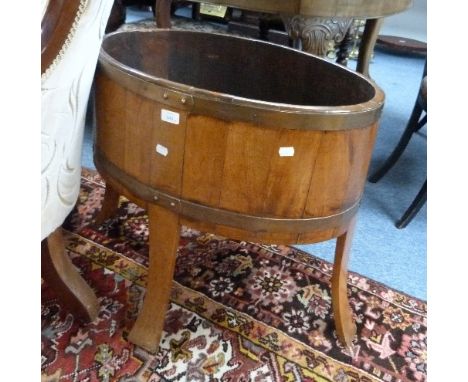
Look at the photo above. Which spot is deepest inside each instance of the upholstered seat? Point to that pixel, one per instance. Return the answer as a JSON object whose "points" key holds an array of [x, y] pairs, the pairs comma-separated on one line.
{"points": [[71, 35]]}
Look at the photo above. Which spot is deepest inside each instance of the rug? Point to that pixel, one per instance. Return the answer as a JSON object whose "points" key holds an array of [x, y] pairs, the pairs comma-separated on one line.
{"points": [[239, 311]]}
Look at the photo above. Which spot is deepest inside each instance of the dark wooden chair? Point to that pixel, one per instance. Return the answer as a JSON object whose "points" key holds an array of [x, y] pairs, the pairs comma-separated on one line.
{"points": [[417, 120]]}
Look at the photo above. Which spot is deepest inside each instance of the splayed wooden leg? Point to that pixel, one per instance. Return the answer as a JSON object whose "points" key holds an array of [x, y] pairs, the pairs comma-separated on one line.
{"points": [[345, 327], [163, 241], [59, 272], [110, 204]]}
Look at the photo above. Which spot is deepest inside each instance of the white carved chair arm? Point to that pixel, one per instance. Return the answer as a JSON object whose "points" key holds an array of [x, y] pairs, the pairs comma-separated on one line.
{"points": [[65, 88]]}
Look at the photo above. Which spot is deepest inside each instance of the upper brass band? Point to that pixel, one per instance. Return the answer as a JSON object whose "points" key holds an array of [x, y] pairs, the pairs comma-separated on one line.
{"points": [[228, 107]]}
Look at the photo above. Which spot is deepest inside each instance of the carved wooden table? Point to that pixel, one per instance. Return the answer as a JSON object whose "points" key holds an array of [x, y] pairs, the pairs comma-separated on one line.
{"points": [[315, 22], [192, 129]]}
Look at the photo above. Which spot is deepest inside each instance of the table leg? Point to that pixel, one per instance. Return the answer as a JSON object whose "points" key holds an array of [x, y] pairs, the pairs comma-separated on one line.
{"points": [[62, 276], [163, 13], [345, 46], [369, 37], [344, 323], [164, 237]]}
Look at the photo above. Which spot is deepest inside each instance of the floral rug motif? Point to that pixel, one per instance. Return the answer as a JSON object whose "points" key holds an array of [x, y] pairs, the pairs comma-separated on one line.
{"points": [[239, 311]]}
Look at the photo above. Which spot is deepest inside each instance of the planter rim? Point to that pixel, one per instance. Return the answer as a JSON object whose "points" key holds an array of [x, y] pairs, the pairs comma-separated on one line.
{"points": [[227, 106]]}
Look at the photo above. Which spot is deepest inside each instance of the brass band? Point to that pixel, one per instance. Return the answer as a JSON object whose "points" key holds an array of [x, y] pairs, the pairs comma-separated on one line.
{"points": [[213, 215], [231, 108]]}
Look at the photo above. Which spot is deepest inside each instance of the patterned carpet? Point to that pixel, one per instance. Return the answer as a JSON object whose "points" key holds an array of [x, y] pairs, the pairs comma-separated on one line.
{"points": [[239, 312]]}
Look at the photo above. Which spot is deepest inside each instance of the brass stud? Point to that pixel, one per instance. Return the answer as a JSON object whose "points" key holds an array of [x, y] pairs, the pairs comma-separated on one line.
{"points": [[183, 100], [165, 95], [156, 197], [172, 204]]}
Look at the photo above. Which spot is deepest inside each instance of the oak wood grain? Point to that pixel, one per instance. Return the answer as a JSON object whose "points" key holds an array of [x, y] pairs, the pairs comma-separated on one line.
{"points": [[139, 123], [111, 106], [204, 155], [166, 170]]}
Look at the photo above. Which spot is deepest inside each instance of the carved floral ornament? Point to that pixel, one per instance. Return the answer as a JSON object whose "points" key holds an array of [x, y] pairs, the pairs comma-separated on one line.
{"points": [[318, 34]]}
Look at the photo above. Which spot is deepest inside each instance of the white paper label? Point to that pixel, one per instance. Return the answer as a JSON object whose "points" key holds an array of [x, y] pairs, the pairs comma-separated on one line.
{"points": [[170, 116], [286, 151], [160, 149]]}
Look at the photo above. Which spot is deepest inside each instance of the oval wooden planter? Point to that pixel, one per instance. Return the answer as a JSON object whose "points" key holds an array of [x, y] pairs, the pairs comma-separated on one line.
{"points": [[233, 136]]}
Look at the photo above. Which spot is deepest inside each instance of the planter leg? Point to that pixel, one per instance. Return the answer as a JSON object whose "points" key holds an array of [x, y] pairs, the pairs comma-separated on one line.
{"points": [[110, 204], [163, 241], [59, 272], [345, 327]]}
